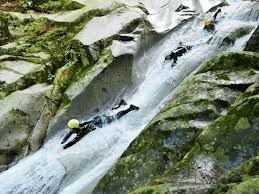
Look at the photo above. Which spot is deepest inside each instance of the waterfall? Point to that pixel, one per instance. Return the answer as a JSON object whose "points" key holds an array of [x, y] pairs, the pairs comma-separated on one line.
{"points": [[79, 168]]}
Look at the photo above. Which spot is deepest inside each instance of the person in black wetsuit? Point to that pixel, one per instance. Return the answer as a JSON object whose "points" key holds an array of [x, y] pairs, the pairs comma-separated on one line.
{"points": [[179, 51], [209, 24], [82, 129]]}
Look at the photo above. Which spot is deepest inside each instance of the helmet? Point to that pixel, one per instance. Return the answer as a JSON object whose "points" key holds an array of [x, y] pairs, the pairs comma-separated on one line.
{"points": [[207, 23], [73, 123]]}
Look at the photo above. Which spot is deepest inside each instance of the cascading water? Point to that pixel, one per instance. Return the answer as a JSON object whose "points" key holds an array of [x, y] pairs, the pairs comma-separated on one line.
{"points": [[79, 168]]}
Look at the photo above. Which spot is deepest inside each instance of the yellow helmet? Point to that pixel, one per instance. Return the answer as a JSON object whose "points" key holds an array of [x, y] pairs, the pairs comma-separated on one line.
{"points": [[73, 123], [207, 23]]}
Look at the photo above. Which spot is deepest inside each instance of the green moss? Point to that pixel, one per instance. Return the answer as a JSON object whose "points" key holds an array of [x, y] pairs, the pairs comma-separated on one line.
{"points": [[106, 56], [66, 74], [242, 123], [248, 169], [37, 27], [223, 76], [2, 93], [229, 60], [48, 6], [57, 6], [132, 171], [250, 186], [250, 91], [158, 189]]}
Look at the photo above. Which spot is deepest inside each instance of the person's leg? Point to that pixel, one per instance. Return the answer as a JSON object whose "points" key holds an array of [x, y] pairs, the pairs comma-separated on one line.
{"points": [[175, 59], [124, 112], [106, 119], [98, 121], [122, 102]]}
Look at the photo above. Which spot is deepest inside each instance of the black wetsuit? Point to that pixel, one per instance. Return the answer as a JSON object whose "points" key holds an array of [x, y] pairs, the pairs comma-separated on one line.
{"points": [[87, 127], [177, 53], [215, 15]]}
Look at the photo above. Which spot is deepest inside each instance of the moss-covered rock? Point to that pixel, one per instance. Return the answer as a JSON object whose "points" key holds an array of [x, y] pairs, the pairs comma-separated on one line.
{"points": [[237, 33], [248, 169], [229, 141], [236, 60], [249, 186], [132, 171], [19, 74]]}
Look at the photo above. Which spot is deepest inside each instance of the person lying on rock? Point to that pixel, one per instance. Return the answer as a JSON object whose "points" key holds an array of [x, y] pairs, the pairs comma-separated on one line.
{"points": [[179, 51], [209, 24], [82, 129]]}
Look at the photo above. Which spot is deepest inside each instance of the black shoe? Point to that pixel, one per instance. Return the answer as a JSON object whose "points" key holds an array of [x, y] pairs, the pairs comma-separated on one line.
{"points": [[122, 102], [133, 107]]}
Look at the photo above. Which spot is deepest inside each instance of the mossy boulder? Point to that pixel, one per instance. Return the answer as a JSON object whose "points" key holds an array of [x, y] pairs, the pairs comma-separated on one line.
{"points": [[225, 144], [237, 33], [19, 114], [197, 104], [229, 60]]}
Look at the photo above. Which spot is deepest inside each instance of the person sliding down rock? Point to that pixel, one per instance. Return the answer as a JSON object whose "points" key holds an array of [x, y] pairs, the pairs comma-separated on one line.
{"points": [[209, 24], [177, 53], [82, 129]]}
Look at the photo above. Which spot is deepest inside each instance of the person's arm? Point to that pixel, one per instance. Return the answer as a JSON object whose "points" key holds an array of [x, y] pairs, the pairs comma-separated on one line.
{"points": [[215, 15], [66, 137], [73, 141], [82, 133]]}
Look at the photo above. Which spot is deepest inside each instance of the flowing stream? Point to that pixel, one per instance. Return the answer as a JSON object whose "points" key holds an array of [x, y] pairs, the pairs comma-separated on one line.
{"points": [[79, 168]]}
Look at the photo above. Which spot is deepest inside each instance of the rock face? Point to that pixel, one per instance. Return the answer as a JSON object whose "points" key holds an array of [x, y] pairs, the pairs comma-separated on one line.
{"points": [[252, 44], [186, 143], [235, 34], [119, 18], [19, 114]]}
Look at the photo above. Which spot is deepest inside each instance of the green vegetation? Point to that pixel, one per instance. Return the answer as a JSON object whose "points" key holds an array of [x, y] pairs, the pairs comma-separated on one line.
{"points": [[44, 6]]}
